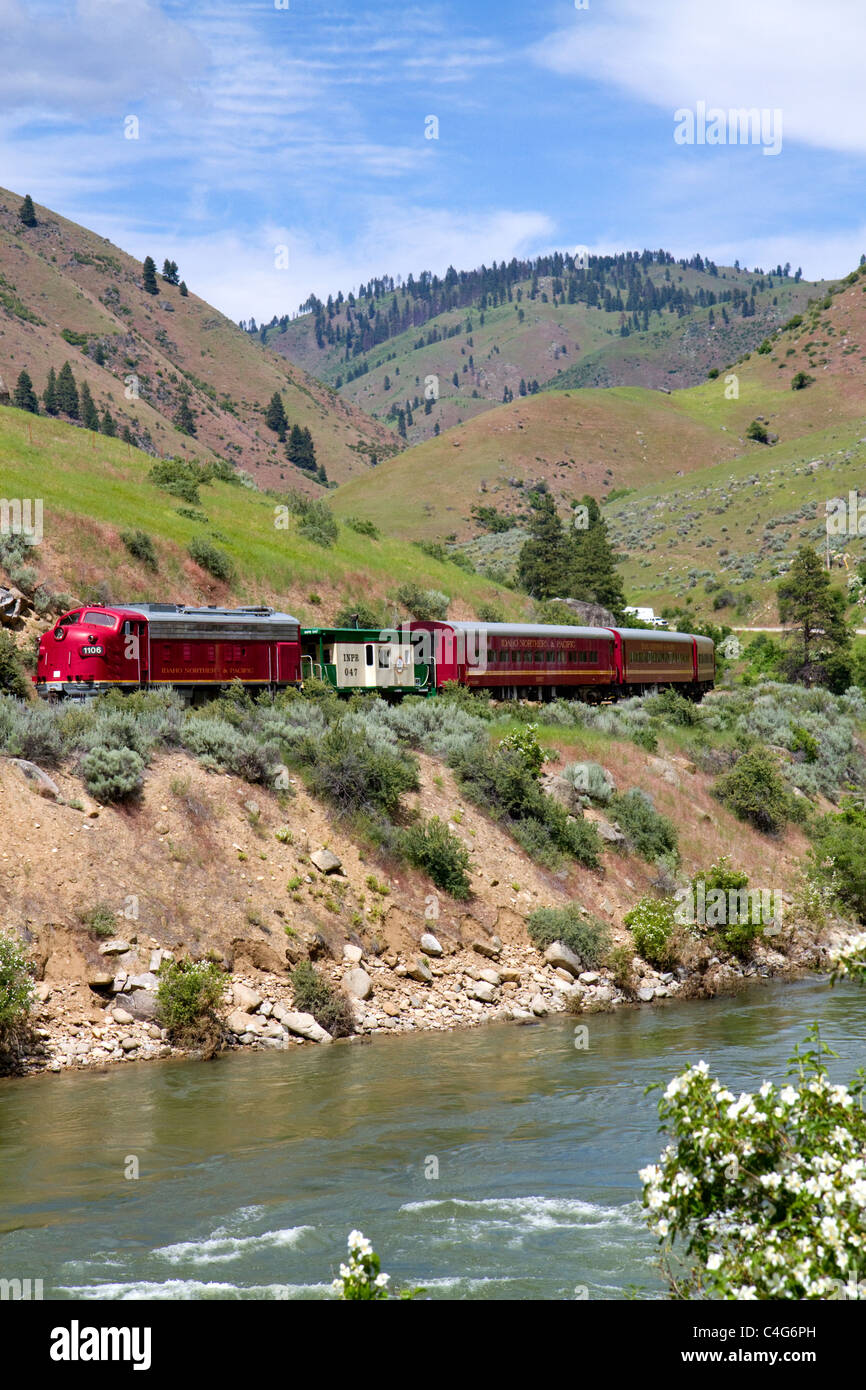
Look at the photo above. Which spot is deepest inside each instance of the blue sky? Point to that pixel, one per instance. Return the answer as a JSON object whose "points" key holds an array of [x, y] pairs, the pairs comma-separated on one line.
{"points": [[301, 125]]}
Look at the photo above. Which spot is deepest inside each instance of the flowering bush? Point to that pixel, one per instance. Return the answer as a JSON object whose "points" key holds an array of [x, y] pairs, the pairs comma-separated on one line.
{"points": [[768, 1191], [850, 962], [362, 1280]]}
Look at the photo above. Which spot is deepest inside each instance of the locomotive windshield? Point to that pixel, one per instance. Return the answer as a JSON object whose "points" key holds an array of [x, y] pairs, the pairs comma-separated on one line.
{"points": [[100, 619]]}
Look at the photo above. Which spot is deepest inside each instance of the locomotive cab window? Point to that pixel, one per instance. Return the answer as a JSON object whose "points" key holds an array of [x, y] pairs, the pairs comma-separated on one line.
{"points": [[100, 619], [69, 620]]}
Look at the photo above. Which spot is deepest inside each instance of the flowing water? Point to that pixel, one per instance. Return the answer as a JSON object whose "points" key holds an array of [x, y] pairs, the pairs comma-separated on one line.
{"points": [[252, 1169]]}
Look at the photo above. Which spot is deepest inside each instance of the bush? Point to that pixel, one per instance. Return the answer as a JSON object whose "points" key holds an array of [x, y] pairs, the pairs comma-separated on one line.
{"points": [[425, 605], [674, 708], [652, 922], [100, 921], [140, 546], [758, 432], [354, 777], [12, 678], [647, 832], [315, 995], [589, 779], [585, 935], [31, 732], [188, 1002], [16, 993], [755, 792], [525, 743], [112, 774], [209, 557], [800, 380], [740, 928], [838, 857], [433, 848], [317, 523], [179, 478], [363, 528]]}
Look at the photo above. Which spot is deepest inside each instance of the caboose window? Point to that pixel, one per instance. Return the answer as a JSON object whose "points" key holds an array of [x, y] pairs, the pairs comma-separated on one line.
{"points": [[384, 658], [369, 654]]}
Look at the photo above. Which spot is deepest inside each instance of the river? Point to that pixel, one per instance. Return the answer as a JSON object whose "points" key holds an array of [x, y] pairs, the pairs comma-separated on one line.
{"points": [[253, 1169]]}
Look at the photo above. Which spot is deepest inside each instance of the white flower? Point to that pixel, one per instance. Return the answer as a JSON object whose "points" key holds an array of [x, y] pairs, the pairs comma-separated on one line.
{"points": [[788, 1096], [714, 1262]]}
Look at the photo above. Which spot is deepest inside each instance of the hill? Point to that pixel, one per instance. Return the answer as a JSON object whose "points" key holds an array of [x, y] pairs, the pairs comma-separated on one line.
{"points": [[94, 488], [710, 513], [478, 338], [68, 294]]}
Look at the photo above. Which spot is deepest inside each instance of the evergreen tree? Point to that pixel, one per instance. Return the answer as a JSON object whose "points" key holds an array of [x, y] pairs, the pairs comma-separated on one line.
{"points": [[183, 289], [275, 417], [89, 413], [544, 560], [592, 570], [127, 435], [148, 277], [301, 450], [169, 272], [27, 212], [25, 397], [49, 395], [107, 425], [819, 643], [67, 392], [184, 419], [322, 475]]}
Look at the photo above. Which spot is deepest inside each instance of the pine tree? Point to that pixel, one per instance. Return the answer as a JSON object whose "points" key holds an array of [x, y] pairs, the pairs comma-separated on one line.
{"points": [[25, 397], [543, 563], [49, 395], [107, 425], [169, 272], [819, 643], [27, 212], [183, 289], [89, 413], [67, 392], [127, 435], [592, 572], [184, 418], [275, 417], [148, 277]]}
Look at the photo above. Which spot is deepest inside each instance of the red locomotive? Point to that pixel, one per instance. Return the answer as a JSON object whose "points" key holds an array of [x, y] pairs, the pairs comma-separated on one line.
{"points": [[535, 661], [139, 645]]}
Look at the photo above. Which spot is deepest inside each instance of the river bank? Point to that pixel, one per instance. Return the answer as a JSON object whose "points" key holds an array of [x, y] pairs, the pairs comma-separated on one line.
{"points": [[442, 987]]}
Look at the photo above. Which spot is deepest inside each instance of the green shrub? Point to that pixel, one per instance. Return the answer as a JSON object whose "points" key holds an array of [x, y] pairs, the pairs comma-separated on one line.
{"points": [[315, 995], [758, 432], [674, 708], [179, 478], [619, 962], [589, 779], [363, 528], [804, 742], [755, 791], [524, 742], [100, 920], [425, 605], [355, 777], [318, 524], [16, 993], [800, 380], [838, 857], [433, 848], [587, 936], [12, 678], [209, 557], [740, 928], [112, 774], [647, 832], [188, 1002], [30, 731], [140, 546], [652, 922]]}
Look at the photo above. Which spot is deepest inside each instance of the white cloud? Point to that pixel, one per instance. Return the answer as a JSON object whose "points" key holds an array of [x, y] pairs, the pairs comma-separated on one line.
{"points": [[797, 55]]}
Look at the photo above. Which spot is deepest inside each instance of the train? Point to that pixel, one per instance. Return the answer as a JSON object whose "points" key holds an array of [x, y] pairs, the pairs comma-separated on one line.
{"points": [[197, 651]]}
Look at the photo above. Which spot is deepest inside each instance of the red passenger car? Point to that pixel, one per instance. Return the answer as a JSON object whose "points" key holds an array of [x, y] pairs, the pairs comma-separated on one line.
{"points": [[543, 661], [136, 646]]}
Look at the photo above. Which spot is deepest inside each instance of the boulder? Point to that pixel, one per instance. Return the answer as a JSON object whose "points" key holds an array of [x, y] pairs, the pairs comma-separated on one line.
{"points": [[305, 1026], [429, 945], [390, 1009], [39, 780], [611, 833], [326, 862], [646, 993], [538, 1005], [99, 978], [353, 954], [246, 999], [121, 1016], [420, 970], [492, 949], [561, 957], [240, 1023], [483, 991], [141, 1004], [589, 977], [358, 984], [489, 977], [146, 981], [114, 948]]}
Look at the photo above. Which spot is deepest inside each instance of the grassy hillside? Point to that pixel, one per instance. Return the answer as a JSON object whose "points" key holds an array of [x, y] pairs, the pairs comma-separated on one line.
{"points": [[529, 330], [66, 293], [94, 488], [706, 504]]}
